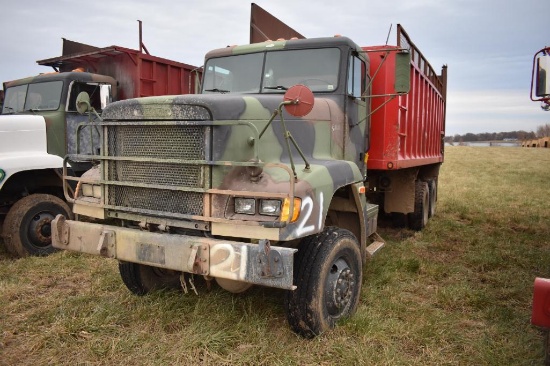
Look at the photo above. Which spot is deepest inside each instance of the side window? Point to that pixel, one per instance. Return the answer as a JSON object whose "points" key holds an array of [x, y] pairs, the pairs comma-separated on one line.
{"points": [[93, 90], [356, 77]]}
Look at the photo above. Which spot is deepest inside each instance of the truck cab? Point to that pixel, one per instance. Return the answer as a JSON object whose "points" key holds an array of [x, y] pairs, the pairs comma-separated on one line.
{"points": [[334, 69]]}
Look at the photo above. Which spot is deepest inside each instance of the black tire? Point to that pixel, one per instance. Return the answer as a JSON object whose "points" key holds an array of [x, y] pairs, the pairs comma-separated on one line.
{"points": [[27, 227], [432, 186], [419, 218], [142, 279], [328, 275]]}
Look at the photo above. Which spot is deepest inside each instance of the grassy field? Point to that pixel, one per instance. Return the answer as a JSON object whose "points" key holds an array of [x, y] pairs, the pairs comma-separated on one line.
{"points": [[458, 293]]}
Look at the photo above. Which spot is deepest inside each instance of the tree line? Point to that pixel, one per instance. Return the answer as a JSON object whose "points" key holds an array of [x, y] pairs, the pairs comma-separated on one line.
{"points": [[542, 131]]}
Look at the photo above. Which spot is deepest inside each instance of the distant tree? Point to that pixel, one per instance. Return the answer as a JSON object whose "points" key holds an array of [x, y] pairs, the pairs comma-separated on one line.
{"points": [[494, 136], [543, 131]]}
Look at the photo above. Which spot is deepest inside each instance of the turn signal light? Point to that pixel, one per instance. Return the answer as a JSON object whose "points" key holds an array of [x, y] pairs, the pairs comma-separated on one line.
{"points": [[285, 212]]}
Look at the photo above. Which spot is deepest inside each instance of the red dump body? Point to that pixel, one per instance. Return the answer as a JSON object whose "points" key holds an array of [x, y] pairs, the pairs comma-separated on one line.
{"points": [[138, 74], [409, 130]]}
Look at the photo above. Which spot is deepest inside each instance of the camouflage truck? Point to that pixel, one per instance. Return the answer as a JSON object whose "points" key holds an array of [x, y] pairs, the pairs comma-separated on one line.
{"points": [[31, 192], [259, 180]]}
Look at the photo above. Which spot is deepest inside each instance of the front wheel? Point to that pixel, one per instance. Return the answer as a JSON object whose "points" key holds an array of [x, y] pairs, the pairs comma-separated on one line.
{"points": [[27, 228], [142, 279], [328, 276]]}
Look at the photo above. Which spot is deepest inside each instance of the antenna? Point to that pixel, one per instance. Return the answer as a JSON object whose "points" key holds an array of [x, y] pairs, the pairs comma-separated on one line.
{"points": [[389, 32]]}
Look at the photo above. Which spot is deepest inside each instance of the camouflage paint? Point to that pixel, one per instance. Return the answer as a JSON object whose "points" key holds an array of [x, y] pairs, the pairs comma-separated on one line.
{"points": [[320, 138]]}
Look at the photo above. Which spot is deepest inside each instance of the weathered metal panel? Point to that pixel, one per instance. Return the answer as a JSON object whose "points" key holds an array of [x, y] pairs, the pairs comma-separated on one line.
{"points": [[227, 259], [138, 74], [264, 26]]}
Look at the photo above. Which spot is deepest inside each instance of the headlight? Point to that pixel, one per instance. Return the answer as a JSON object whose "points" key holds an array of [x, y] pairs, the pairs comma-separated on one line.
{"points": [[91, 190], [270, 207], [245, 206]]}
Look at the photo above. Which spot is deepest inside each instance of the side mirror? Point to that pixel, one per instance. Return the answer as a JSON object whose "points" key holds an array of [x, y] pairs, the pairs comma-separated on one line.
{"points": [[402, 72], [105, 95], [83, 103], [299, 100], [542, 76]]}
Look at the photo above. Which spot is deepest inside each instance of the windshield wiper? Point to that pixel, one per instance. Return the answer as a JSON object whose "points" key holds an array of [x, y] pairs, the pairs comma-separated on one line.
{"points": [[278, 87], [216, 90]]}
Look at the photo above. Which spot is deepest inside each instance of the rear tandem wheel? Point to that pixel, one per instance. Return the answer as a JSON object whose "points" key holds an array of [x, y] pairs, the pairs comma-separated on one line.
{"points": [[419, 218]]}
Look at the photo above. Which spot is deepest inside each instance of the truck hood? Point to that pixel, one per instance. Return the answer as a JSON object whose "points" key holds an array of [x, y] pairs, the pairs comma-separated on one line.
{"points": [[22, 133], [208, 107]]}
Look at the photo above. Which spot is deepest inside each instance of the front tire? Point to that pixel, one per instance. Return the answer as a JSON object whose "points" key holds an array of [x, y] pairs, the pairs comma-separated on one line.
{"points": [[328, 276], [142, 279], [27, 227]]}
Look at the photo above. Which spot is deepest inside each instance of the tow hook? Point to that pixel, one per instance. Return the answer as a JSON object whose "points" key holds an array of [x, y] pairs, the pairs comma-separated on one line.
{"points": [[269, 261]]}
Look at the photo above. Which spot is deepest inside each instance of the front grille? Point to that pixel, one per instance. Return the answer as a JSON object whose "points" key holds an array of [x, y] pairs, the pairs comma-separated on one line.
{"points": [[158, 142], [156, 173], [165, 141], [190, 203]]}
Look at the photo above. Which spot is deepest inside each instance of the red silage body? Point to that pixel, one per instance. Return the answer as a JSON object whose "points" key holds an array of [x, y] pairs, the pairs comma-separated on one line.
{"points": [[408, 131], [138, 74]]}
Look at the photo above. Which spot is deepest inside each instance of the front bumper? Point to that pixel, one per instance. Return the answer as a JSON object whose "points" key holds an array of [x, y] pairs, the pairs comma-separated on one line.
{"points": [[259, 264]]}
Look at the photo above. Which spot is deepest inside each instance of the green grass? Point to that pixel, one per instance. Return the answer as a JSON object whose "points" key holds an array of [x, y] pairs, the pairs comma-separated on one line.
{"points": [[458, 293]]}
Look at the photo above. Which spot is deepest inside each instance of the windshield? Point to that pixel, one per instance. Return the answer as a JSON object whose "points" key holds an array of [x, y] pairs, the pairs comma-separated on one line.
{"points": [[234, 74], [315, 68], [33, 97]]}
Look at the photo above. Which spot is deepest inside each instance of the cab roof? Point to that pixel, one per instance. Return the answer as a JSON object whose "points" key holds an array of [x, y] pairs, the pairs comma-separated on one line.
{"points": [[61, 76], [290, 44]]}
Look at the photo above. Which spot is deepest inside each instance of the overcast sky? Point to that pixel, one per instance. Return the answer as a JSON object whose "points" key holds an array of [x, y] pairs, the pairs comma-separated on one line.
{"points": [[488, 45]]}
